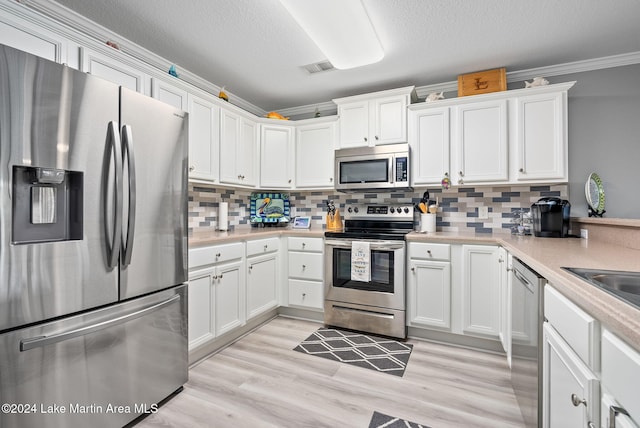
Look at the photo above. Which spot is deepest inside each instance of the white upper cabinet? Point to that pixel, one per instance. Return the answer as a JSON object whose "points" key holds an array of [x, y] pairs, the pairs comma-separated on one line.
{"points": [[276, 156], [376, 118], [114, 70], [34, 40], [480, 143], [314, 148], [169, 94], [204, 139], [541, 137], [238, 148], [509, 137], [429, 138]]}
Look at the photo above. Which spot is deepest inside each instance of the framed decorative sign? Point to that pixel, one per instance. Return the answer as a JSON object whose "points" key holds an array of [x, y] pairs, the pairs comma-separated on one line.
{"points": [[482, 82]]}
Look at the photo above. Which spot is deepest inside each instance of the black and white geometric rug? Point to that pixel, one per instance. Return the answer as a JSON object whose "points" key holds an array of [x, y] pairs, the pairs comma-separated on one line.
{"points": [[379, 420], [372, 352]]}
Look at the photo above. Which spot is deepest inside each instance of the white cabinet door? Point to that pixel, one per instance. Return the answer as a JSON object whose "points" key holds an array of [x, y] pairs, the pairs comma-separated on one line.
{"points": [[276, 156], [570, 391], [36, 41], [480, 290], [504, 266], [238, 148], [169, 94], [315, 146], [354, 124], [230, 306], [430, 294], [480, 143], [201, 320], [430, 142], [262, 284], [541, 133], [204, 139], [389, 124], [115, 71]]}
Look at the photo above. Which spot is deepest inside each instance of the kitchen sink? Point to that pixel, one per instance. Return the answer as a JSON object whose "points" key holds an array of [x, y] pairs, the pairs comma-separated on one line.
{"points": [[623, 285]]}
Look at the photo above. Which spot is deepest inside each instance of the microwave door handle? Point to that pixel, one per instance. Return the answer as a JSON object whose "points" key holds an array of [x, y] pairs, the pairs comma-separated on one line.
{"points": [[392, 166]]}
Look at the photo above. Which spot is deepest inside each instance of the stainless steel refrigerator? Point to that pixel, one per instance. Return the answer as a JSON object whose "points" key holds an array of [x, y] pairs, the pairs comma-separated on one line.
{"points": [[93, 248]]}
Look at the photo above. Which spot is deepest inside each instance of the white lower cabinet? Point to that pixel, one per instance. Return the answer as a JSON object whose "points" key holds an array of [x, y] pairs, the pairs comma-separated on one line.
{"points": [[305, 272], [429, 285], [216, 291], [262, 276], [570, 391], [480, 291], [620, 380], [505, 302]]}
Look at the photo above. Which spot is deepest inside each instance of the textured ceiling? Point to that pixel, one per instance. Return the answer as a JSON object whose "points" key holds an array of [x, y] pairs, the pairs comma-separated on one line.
{"points": [[255, 49]]}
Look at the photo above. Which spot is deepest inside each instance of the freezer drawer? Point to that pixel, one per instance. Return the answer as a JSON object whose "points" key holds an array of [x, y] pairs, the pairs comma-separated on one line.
{"points": [[101, 369]]}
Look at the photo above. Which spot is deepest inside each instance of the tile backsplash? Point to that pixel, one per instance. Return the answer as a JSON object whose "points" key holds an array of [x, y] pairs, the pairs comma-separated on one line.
{"points": [[458, 206]]}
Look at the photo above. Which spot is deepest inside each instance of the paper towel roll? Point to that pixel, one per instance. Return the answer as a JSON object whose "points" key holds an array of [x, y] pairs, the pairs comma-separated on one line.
{"points": [[223, 216], [428, 223]]}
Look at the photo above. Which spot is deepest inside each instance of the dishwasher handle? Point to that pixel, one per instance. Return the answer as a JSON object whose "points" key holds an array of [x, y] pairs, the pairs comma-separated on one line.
{"points": [[520, 277]]}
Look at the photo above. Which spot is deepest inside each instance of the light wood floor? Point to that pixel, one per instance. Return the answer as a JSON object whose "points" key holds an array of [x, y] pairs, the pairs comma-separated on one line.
{"points": [[261, 382]]}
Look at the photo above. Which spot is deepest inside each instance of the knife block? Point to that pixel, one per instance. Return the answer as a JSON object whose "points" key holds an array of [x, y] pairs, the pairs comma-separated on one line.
{"points": [[334, 221]]}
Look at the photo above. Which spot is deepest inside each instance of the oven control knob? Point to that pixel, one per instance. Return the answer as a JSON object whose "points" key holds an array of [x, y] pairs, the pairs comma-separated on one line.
{"points": [[349, 209], [399, 210], [355, 210], [406, 210], [392, 210]]}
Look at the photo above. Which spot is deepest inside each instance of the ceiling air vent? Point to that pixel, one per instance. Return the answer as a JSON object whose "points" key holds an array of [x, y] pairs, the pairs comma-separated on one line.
{"points": [[318, 67]]}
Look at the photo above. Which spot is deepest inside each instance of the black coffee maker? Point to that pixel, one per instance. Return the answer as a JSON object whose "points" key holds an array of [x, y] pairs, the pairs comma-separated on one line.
{"points": [[550, 217]]}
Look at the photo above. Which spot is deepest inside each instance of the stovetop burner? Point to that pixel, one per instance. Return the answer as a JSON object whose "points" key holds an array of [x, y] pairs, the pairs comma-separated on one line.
{"points": [[375, 222]]}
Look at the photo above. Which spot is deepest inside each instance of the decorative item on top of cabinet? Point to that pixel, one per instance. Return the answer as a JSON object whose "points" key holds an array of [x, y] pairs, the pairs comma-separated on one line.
{"points": [[376, 118], [537, 81], [434, 96], [482, 82]]}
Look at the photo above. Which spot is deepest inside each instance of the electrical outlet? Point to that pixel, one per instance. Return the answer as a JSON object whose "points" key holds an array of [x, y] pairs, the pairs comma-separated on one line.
{"points": [[584, 233], [483, 212]]}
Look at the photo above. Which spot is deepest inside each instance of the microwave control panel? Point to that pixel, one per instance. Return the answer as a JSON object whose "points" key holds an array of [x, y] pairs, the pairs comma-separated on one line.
{"points": [[402, 169]]}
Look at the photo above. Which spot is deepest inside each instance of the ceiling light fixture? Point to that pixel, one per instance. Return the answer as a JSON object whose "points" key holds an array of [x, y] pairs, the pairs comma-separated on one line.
{"points": [[340, 28]]}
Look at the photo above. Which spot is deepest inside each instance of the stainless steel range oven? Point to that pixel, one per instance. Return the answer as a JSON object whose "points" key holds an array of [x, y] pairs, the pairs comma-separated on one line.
{"points": [[375, 302]]}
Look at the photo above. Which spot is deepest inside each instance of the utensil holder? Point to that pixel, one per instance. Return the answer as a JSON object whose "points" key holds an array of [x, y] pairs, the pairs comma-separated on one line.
{"points": [[428, 223]]}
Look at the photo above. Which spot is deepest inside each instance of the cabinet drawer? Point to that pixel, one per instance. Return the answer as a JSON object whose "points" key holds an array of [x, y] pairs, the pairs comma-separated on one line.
{"points": [[305, 244], [429, 251], [262, 246], [621, 373], [577, 328], [305, 265], [214, 254], [306, 293]]}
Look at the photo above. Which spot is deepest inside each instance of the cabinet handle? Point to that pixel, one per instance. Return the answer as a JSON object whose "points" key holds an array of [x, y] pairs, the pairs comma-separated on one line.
{"points": [[215, 277], [303, 244], [220, 277], [192, 168], [217, 255], [576, 401], [613, 412], [289, 180], [429, 253], [461, 174], [366, 139], [590, 425]]}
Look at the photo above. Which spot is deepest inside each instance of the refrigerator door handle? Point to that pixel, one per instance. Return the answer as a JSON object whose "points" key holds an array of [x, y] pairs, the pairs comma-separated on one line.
{"points": [[114, 151], [127, 152], [41, 341]]}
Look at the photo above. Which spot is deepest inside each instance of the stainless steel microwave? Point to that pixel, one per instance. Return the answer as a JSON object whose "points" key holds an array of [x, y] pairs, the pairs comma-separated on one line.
{"points": [[384, 167]]}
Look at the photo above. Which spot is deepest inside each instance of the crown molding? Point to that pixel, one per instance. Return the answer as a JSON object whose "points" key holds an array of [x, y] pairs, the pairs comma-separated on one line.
{"points": [[77, 28]]}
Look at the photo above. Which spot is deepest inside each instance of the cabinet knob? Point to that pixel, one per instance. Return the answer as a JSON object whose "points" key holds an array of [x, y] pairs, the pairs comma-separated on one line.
{"points": [[366, 139], [413, 269], [220, 276], [576, 401], [304, 295], [377, 138], [265, 247], [289, 181], [303, 244], [461, 174], [429, 253], [250, 267], [192, 168], [304, 267], [330, 179], [218, 255], [521, 170]]}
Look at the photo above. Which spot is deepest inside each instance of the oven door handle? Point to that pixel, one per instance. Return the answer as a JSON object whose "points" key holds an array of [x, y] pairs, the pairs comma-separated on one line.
{"points": [[373, 245]]}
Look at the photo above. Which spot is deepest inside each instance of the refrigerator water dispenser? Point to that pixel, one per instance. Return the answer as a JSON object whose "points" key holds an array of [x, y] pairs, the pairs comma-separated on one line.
{"points": [[47, 205]]}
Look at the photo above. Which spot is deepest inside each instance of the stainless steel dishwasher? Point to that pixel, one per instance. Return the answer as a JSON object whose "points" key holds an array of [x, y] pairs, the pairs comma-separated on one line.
{"points": [[526, 340]]}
